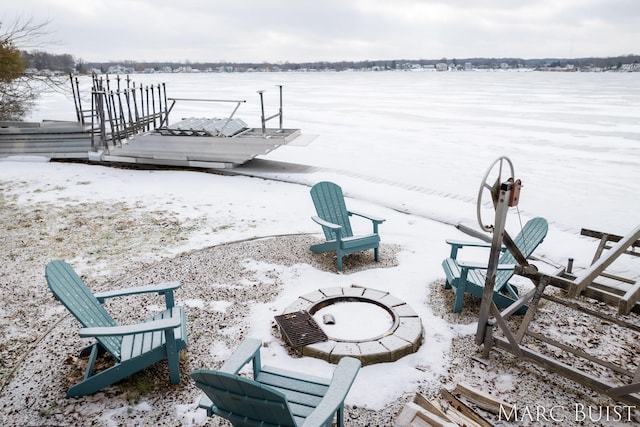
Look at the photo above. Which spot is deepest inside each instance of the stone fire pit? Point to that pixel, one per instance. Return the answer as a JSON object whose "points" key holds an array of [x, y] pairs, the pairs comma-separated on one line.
{"points": [[384, 332]]}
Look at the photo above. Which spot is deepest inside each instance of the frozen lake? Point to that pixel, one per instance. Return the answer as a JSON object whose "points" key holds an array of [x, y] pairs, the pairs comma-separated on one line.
{"points": [[416, 141]]}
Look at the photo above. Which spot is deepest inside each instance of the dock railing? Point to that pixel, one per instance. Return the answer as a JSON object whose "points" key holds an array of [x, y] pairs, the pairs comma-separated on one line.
{"points": [[228, 119], [264, 119], [121, 109]]}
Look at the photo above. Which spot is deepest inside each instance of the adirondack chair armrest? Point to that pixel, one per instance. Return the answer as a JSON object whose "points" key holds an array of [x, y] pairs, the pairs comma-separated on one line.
{"points": [[343, 377], [461, 243], [322, 222], [374, 219], [479, 266], [458, 244], [247, 351], [156, 325], [165, 289]]}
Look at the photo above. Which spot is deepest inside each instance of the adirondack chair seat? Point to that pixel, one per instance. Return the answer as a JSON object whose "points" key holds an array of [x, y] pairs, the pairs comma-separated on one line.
{"points": [[150, 339], [133, 347], [333, 216], [274, 396], [351, 244], [465, 277]]}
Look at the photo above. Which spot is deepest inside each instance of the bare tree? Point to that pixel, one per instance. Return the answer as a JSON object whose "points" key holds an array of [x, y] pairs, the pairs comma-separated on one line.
{"points": [[19, 90]]}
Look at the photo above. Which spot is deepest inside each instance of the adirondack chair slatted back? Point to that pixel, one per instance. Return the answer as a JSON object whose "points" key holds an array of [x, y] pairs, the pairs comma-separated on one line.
{"points": [[243, 401], [527, 240], [330, 206], [71, 291]]}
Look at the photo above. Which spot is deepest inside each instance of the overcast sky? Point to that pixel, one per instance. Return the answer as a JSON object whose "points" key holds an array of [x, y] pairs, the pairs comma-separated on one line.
{"points": [[331, 30]]}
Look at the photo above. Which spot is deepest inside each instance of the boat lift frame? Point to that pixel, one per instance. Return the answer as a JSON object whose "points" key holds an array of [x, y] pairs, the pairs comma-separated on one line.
{"points": [[491, 317]]}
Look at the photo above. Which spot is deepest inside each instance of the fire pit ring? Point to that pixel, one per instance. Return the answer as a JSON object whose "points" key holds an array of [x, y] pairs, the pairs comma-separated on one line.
{"points": [[403, 337]]}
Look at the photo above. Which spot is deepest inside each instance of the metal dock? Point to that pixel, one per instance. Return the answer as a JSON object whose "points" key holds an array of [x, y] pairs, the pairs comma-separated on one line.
{"points": [[127, 123]]}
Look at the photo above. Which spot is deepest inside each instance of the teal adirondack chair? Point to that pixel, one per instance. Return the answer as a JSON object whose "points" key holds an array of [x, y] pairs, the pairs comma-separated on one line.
{"points": [[468, 277], [274, 397], [333, 216], [133, 347]]}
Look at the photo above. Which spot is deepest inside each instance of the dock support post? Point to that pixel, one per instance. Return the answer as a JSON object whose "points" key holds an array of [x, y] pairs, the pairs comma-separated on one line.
{"points": [[280, 111], [264, 122]]}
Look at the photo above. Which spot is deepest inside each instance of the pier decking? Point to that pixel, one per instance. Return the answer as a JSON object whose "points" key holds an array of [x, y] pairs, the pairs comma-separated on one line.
{"points": [[155, 148], [131, 125]]}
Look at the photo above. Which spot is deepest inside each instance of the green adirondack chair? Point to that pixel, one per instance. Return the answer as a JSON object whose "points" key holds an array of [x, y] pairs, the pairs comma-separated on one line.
{"points": [[469, 277], [133, 347], [333, 216], [274, 397]]}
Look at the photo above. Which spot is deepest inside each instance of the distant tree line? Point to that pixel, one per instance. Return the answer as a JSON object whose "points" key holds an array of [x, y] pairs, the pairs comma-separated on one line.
{"points": [[40, 60], [606, 63]]}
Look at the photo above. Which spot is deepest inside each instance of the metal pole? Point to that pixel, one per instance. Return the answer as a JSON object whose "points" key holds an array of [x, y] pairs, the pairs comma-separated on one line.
{"points": [[502, 207], [230, 117], [280, 86], [79, 102], [110, 114], [131, 122], [116, 122], [75, 98], [166, 114], [153, 107], [100, 111], [93, 131], [123, 120], [160, 104], [148, 125], [264, 126]]}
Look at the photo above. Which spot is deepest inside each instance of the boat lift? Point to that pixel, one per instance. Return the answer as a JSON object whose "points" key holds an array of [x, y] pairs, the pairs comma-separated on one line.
{"points": [[586, 368]]}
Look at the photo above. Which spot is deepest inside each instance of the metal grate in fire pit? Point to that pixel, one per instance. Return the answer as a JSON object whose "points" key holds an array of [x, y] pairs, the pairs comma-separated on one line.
{"points": [[300, 329]]}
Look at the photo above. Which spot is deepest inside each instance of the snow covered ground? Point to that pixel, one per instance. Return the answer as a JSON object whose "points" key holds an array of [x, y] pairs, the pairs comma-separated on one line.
{"points": [[408, 147]]}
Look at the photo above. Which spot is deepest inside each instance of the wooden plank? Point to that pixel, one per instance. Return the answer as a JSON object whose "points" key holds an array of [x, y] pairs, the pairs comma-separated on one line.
{"points": [[617, 278], [413, 415], [600, 248], [604, 316], [552, 365], [596, 268], [629, 299], [482, 400], [463, 409], [599, 291], [610, 237], [579, 353], [624, 390], [422, 401], [454, 415]]}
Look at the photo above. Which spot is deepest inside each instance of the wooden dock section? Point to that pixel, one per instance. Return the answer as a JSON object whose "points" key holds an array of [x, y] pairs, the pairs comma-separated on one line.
{"points": [[200, 152], [55, 140], [127, 123]]}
